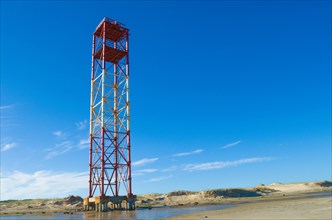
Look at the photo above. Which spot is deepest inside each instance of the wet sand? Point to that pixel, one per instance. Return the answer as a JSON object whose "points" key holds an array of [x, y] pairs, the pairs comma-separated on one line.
{"points": [[304, 206]]}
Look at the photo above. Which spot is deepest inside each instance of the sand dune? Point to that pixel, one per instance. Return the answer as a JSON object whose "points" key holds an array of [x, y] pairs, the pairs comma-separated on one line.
{"points": [[188, 198]]}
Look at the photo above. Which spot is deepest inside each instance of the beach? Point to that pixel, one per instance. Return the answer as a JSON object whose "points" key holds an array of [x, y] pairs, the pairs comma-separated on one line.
{"points": [[306, 200], [286, 207]]}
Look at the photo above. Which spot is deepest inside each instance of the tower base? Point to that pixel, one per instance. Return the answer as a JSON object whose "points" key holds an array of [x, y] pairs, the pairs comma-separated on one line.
{"points": [[106, 203]]}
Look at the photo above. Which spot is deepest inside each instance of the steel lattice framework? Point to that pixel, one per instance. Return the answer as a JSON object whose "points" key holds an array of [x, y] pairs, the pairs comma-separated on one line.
{"points": [[110, 163]]}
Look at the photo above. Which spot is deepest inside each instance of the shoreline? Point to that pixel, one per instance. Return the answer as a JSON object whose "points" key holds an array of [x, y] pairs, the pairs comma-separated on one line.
{"points": [[240, 197], [238, 204]]}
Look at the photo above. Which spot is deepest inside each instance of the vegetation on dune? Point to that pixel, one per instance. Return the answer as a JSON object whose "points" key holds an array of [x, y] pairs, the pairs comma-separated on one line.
{"points": [[180, 193], [38, 204], [228, 193], [325, 183]]}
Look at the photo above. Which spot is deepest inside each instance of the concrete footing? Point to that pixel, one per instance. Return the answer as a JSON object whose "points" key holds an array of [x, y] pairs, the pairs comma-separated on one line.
{"points": [[106, 203]]}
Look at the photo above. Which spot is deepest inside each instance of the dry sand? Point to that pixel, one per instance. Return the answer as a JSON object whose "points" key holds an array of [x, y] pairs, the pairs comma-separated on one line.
{"points": [[293, 208]]}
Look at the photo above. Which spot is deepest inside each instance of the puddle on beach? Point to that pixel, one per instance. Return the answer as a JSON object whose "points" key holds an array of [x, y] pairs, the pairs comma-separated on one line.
{"points": [[138, 214]]}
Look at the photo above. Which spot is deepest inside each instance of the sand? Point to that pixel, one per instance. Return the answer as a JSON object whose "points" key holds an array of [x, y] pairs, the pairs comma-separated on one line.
{"points": [[286, 207]]}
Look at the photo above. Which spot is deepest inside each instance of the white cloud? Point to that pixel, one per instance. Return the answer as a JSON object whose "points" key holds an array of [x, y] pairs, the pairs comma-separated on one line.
{"points": [[81, 125], [169, 169], [42, 184], [59, 149], [222, 164], [143, 172], [8, 146], [231, 144], [58, 134], [159, 178], [144, 161], [84, 143], [198, 151], [146, 171]]}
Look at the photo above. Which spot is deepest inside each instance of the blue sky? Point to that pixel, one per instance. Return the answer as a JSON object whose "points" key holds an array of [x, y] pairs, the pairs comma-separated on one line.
{"points": [[223, 93]]}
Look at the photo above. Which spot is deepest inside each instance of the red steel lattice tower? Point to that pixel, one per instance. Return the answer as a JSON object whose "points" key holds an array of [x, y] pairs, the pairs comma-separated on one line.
{"points": [[110, 162]]}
